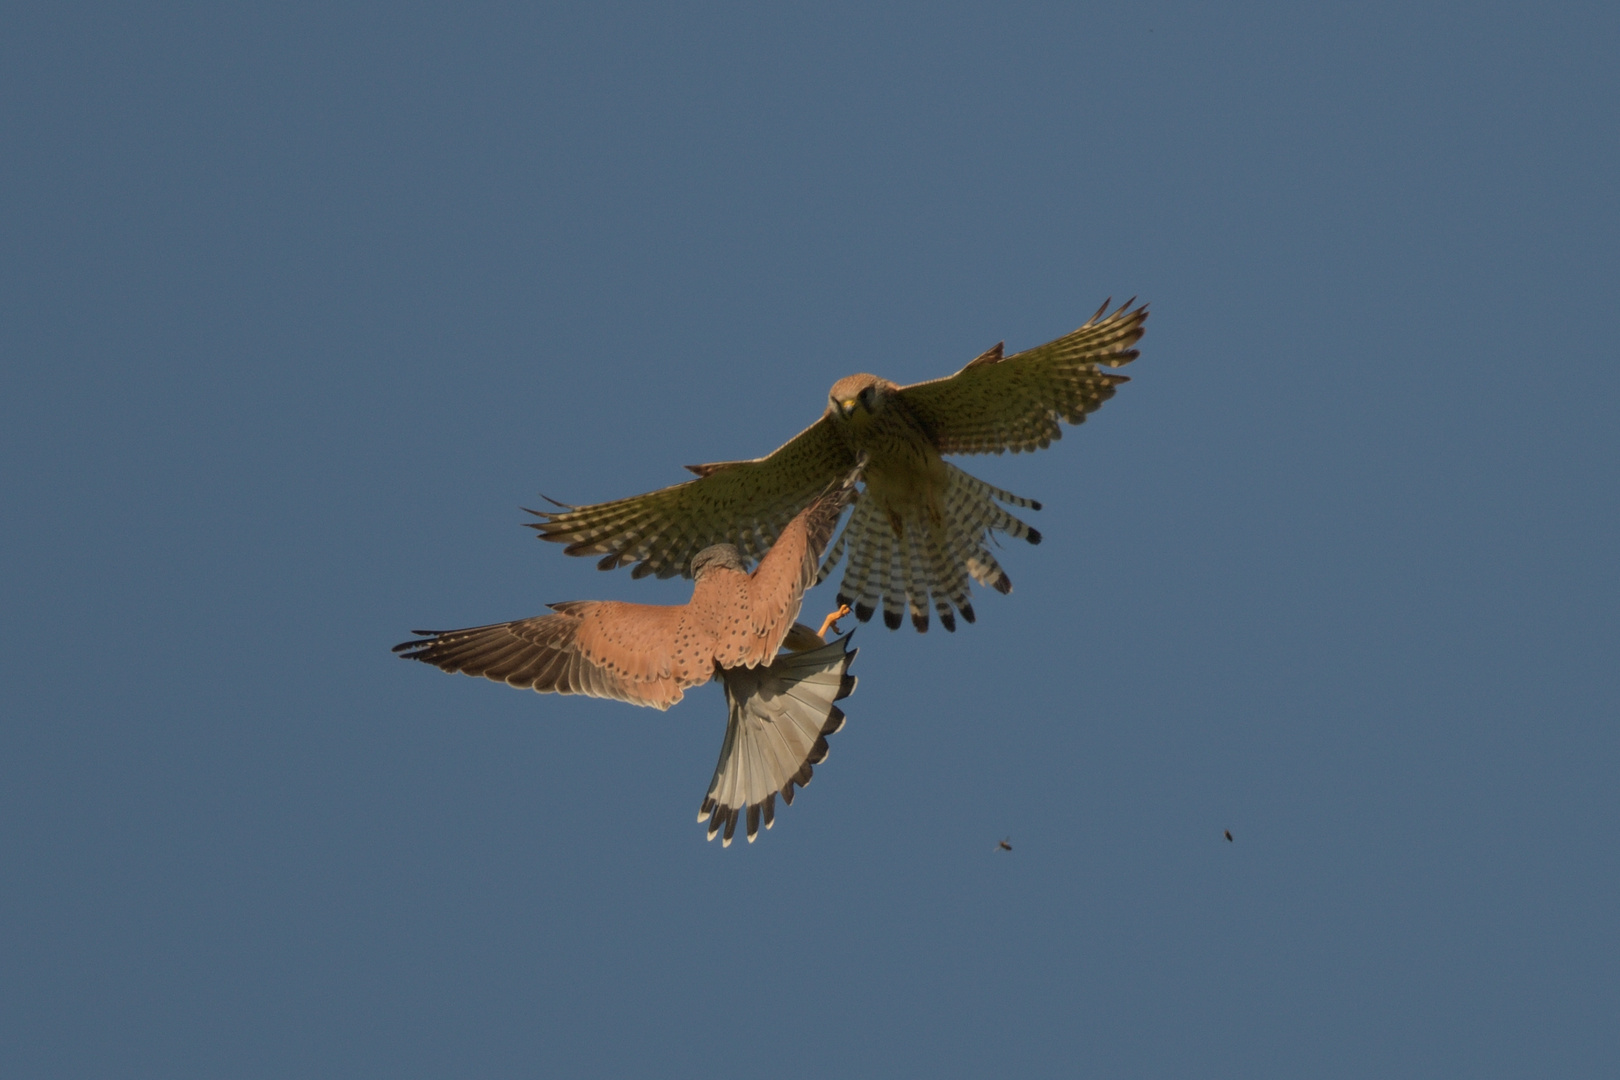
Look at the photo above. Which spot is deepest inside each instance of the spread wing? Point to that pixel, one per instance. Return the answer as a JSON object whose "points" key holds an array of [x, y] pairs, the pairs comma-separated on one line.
{"points": [[600, 649], [745, 503], [776, 587], [1015, 402]]}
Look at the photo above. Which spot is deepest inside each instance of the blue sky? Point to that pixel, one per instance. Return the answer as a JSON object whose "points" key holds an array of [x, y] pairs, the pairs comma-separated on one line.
{"points": [[298, 307]]}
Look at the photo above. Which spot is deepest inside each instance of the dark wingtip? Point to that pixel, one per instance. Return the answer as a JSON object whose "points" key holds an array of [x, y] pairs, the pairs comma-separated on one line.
{"points": [[891, 619], [1034, 536], [426, 638], [948, 621], [1034, 504], [1002, 585], [864, 613], [920, 622], [967, 613]]}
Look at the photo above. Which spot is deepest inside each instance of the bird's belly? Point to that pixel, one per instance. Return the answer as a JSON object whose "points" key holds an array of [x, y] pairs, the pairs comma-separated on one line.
{"points": [[907, 483]]}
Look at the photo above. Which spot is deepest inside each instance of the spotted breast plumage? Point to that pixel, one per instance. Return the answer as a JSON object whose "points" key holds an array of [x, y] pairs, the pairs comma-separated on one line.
{"points": [[780, 708], [922, 528]]}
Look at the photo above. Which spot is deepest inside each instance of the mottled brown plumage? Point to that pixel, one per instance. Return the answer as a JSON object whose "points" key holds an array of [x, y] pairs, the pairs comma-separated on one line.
{"points": [[922, 528], [780, 708]]}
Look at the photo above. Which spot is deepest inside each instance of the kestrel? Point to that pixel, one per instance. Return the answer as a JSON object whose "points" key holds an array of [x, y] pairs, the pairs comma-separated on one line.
{"points": [[780, 709], [922, 527]]}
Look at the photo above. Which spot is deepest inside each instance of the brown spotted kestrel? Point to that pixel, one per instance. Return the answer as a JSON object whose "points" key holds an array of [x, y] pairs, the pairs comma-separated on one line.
{"points": [[922, 527], [780, 708]]}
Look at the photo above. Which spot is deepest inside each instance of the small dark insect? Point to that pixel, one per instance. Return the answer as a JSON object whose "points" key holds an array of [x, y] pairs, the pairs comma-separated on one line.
{"points": [[1228, 836], [1004, 845]]}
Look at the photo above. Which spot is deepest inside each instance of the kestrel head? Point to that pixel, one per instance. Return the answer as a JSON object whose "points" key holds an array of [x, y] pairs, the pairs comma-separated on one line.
{"points": [[858, 397], [716, 556]]}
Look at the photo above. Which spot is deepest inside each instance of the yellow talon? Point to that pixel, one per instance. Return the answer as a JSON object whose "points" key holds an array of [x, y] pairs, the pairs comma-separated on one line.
{"points": [[831, 621]]}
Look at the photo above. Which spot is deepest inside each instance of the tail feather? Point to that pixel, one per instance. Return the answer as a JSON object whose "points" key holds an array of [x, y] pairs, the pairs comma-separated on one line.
{"points": [[976, 516], [999, 494], [965, 554], [836, 552], [885, 574], [978, 500], [950, 585], [778, 719], [894, 580], [858, 587], [931, 562], [916, 575]]}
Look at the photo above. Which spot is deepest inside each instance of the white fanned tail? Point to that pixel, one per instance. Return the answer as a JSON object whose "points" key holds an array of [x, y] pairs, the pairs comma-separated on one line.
{"points": [[777, 723]]}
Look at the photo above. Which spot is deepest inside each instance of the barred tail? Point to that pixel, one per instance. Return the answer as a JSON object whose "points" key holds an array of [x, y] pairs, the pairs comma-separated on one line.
{"points": [[950, 577], [928, 561], [972, 501]]}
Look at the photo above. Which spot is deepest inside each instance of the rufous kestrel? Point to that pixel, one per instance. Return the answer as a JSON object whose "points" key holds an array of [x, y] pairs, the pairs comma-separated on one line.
{"points": [[922, 527], [780, 708]]}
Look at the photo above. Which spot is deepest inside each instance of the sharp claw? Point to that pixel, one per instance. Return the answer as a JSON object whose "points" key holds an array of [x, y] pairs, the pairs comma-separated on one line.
{"points": [[831, 621]]}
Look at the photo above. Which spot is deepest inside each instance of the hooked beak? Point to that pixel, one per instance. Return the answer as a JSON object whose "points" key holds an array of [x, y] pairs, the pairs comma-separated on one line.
{"points": [[847, 406]]}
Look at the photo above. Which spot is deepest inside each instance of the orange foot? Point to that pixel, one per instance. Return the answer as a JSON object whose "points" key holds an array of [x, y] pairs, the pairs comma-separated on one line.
{"points": [[831, 621]]}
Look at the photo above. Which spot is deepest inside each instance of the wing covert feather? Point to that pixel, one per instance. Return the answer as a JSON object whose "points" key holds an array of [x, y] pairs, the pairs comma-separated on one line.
{"points": [[1017, 402], [622, 651], [745, 503]]}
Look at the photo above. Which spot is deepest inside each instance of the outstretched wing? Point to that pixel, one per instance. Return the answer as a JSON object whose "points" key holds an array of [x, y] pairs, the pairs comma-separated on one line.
{"points": [[776, 587], [600, 649], [745, 503], [1015, 402]]}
